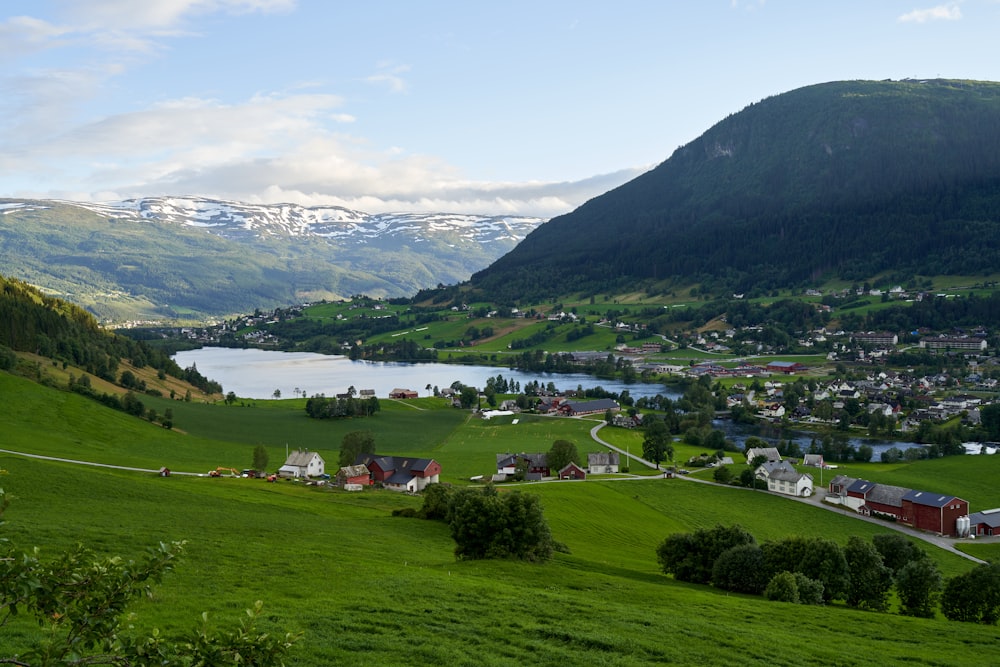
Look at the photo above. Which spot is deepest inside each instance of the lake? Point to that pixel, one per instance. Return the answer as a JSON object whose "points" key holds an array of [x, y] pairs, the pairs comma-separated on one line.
{"points": [[252, 373]]}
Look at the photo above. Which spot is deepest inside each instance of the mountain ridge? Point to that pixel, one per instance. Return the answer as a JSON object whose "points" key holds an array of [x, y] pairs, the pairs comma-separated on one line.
{"points": [[190, 257], [843, 180]]}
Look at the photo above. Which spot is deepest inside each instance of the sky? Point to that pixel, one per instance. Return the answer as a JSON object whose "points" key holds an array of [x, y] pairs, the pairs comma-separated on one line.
{"points": [[503, 108]]}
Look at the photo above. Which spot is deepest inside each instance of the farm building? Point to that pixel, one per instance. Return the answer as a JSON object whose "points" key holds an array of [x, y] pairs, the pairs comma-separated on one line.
{"points": [[401, 473], [403, 393], [356, 474], [576, 408], [572, 471], [602, 463], [302, 463], [934, 512], [986, 522], [786, 367], [533, 464]]}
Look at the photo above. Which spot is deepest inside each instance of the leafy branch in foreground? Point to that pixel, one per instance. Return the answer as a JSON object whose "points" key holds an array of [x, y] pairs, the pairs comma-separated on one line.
{"points": [[79, 600]]}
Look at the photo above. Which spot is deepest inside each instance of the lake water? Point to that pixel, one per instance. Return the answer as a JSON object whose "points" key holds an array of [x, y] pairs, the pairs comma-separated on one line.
{"points": [[252, 373]]}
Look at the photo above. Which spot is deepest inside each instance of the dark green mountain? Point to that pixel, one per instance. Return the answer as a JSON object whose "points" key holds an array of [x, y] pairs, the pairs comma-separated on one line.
{"points": [[847, 179]]}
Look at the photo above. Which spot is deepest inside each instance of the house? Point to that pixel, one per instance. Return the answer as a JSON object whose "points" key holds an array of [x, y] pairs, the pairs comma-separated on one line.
{"points": [[768, 468], [356, 474], [790, 483], [572, 471], [302, 463], [771, 453], [814, 460], [401, 473], [577, 408], [602, 463], [534, 465], [403, 393]]}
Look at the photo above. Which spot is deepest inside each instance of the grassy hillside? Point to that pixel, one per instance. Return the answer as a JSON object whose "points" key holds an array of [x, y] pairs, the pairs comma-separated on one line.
{"points": [[363, 585]]}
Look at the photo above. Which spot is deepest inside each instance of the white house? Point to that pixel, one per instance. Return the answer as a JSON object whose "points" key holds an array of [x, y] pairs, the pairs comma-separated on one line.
{"points": [[771, 453], [302, 463], [600, 463], [790, 483]]}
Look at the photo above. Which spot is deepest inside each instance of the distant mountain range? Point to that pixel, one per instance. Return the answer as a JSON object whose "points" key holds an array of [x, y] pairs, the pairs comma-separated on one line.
{"points": [[851, 180], [163, 257]]}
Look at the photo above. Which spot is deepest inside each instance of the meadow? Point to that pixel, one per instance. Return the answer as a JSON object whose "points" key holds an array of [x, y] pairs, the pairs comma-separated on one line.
{"points": [[368, 588]]}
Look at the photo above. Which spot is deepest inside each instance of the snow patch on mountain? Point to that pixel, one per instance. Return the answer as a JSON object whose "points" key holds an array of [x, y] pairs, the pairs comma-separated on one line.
{"points": [[238, 220]]}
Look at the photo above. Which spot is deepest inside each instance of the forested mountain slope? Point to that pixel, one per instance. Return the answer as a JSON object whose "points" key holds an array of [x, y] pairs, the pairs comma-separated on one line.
{"points": [[845, 179]]}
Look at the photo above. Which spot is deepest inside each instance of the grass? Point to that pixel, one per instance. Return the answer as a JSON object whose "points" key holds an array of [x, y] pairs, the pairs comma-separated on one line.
{"points": [[367, 588]]}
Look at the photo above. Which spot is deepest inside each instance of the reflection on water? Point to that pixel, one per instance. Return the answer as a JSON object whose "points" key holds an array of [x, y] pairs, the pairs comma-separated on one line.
{"points": [[252, 373]]}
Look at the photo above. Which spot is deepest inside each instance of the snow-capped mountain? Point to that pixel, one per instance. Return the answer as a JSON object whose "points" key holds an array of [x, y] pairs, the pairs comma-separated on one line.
{"points": [[174, 257], [235, 220]]}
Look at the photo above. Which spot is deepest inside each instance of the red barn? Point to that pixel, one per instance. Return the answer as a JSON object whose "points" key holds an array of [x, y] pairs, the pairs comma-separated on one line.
{"points": [[935, 512]]}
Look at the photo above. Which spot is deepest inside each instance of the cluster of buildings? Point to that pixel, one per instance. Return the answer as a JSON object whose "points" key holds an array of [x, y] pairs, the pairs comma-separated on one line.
{"points": [[535, 466], [396, 473], [934, 512]]}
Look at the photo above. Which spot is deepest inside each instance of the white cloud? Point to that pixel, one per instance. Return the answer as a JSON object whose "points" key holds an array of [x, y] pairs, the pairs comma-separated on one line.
{"points": [[947, 12], [389, 75], [157, 14]]}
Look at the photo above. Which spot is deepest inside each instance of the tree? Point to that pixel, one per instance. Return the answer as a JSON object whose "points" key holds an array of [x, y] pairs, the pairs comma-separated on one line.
{"points": [[918, 585], [896, 550], [276, 394], [722, 475], [691, 556], [740, 569], [973, 597], [485, 524], [869, 578], [657, 443], [468, 396], [260, 458], [230, 398], [562, 453], [824, 561], [354, 444], [80, 600]]}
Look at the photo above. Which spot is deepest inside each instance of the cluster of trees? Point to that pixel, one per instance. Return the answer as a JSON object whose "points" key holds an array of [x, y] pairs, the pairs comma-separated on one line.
{"points": [[80, 602], [811, 570], [486, 524], [321, 407]]}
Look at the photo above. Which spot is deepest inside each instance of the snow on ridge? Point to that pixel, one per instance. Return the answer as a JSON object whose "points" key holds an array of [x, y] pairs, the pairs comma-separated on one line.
{"points": [[227, 218]]}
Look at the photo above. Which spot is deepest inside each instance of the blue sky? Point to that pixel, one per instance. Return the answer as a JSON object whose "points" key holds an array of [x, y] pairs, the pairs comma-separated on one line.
{"points": [[390, 105]]}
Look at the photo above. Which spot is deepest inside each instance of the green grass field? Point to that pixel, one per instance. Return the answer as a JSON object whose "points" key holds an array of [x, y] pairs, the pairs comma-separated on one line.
{"points": [[367, 588]]}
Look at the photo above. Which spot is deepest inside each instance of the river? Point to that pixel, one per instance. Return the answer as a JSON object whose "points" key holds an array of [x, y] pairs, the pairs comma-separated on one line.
{"points": [[252, 373]]}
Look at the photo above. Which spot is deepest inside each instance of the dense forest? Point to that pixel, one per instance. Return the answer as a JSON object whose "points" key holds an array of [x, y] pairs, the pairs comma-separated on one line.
{"points": [[32, 322], [845, 180]]}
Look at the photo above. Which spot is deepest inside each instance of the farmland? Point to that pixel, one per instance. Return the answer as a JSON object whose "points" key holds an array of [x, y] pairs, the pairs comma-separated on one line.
{"points": [[367, 588]]}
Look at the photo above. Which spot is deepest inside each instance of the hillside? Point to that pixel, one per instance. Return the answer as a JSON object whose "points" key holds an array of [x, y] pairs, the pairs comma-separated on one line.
{"points": [[161, 258], [837, 180]]}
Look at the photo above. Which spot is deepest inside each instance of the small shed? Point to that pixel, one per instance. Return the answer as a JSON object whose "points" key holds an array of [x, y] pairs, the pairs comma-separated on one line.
{"points": [[356, 474]]}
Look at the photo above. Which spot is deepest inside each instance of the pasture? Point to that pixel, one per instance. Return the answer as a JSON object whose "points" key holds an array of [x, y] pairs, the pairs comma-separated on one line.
{"points": [[368, 588]]}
